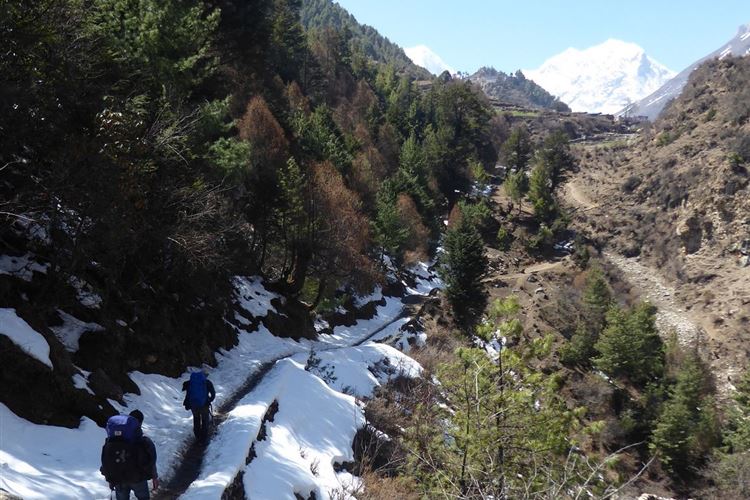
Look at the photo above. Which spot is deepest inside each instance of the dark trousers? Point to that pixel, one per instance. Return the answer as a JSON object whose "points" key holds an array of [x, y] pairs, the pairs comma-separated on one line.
{"points": [[201, 422], [140, 489]]}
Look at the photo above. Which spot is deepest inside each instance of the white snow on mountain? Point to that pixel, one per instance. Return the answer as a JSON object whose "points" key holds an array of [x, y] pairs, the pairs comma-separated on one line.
{"points": [[422, 55], [601, 79], [653, 104]]}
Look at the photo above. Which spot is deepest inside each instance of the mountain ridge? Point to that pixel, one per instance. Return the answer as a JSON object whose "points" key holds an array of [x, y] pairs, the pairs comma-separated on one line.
{"points": [[515, 89], [318, 14], [653, 104], [603, 78]]}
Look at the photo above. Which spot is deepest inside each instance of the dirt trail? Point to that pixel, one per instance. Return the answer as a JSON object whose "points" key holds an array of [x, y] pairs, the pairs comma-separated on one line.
{"points": [[580, 200], [673, 314]]}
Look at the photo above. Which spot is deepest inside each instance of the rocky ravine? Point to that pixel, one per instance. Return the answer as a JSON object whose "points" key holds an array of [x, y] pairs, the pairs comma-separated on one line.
{"points": [[675, 313]]}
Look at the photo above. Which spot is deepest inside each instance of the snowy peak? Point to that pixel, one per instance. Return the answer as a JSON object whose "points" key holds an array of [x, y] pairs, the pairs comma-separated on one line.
{"points": [[601, 79], [423, 56], [651, 105]]}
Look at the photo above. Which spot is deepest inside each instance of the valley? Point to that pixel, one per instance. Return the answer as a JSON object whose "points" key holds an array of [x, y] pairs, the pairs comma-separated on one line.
{"points": [[403, 282]]}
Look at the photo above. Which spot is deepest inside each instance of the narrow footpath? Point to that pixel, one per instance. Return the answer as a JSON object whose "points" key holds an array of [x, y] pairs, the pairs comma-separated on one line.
{"points": [[190, 467]]}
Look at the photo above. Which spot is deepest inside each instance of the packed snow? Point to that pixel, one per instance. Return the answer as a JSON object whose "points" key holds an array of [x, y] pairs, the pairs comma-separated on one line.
{"points": [[20, 333], [317, 417]]}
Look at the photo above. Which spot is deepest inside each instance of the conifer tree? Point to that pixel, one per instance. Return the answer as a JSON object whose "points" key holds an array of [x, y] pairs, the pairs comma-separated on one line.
{"points": [[518, 149], [686, 429], [556, 156], [462, 268], [630, 345], [505, 423], [540, 193], [389, 233], [597, 299], [516, 186]]}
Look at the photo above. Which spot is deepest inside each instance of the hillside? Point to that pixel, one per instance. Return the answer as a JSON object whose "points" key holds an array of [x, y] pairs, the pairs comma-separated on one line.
{"points": [[399, 287], [321, 14], [123, 250], [207, 185], [652, 105], [675, 199], [515, 90]]}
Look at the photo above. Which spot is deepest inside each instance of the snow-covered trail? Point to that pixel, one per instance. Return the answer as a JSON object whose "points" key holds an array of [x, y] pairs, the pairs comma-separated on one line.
{"points": [[47, 462], [190, 468]]}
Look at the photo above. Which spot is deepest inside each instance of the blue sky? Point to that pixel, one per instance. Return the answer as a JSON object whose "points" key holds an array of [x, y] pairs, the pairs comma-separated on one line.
{"points": [[517, 34]]}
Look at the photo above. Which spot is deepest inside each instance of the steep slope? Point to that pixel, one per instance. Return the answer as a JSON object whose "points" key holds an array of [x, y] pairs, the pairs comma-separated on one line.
{"points": [[601, 79], [515, 89], [677, 199], [118, 254], [651, 105], [320, 14]]}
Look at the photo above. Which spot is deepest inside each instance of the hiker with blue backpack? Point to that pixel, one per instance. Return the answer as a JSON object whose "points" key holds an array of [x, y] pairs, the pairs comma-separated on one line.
{"points": [[199, 394], [129, 457]]}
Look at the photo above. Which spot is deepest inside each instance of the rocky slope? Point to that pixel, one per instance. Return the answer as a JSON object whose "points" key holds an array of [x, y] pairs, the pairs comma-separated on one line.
{"points": [[677, 200], [515, 89], [651, 105]]}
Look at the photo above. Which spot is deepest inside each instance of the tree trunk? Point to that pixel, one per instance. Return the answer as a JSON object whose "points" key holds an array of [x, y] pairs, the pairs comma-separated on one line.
{"points": [[321, 288]]}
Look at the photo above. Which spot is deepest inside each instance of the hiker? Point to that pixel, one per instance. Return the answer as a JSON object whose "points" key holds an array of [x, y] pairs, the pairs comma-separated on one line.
{"points": [[129, 457], [199, 394]]}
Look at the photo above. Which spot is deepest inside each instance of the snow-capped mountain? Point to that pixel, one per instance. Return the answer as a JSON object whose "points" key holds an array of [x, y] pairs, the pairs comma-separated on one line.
{"points": [[604, 78], [654, 103], [423, 56]]}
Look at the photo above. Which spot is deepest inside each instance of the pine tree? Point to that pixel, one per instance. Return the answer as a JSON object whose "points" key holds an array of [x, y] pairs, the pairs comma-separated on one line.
{"points": [[462, 267], [540, 193], [556, 156], [630, 345], [504, 420], [518, 149], [686, 429], [597, 299], [516, 186], [389, 232]]}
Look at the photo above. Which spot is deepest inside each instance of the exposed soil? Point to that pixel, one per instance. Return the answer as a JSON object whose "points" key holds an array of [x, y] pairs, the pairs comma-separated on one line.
{"points": [[677, 312]]}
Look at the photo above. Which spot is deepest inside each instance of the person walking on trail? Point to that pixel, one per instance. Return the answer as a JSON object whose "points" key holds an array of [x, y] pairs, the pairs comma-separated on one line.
{"points": [[129, 457], [199, 394]]}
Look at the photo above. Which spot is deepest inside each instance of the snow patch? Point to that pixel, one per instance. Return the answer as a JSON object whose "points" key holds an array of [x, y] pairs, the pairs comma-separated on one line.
{"points": [[69, 333], [22, 267], [43, 461], [86, 295], [81, 382], [313, 429], [20, 333], [252, 296], [359, 370]]}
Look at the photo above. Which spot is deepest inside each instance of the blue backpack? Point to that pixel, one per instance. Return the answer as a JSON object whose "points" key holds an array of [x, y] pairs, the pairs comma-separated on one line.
{"points": [[123, 427], [197, 393], [123, 457]]}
